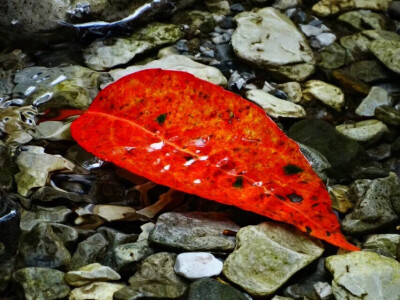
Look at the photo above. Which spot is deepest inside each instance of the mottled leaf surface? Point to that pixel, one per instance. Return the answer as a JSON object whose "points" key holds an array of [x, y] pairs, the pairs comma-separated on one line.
{"points": [[193, 136]]}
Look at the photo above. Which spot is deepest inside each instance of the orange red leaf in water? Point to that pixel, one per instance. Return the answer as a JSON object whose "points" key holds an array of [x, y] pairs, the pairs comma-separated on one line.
{"points": [[196, 137]]}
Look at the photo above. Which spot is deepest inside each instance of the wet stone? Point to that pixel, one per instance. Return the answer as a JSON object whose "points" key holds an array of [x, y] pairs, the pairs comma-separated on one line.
{"points": [[195, 265], [155, 278], [364, 275], [127, 254], [318, 162], [326, 93], [7, 167], [89, 251], [364, 130], [340, 198], [364, 19], [211, 289], [326, 8], [292, 90], [388, 52], [272, 43], [321, 136], [41, 247], [376, 203], [177, 63], [332, 57], [91, 273], [30, 219], [370, 71], [279, 250], [388, 115], [96, 291], [40, 283], [376, 97], [194, 231], [274, 106], [383, 244], [104, 54], [195, 19]]}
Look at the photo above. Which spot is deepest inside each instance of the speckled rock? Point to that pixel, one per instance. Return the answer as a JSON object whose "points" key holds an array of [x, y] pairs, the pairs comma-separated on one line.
{"points": [[194, 231], [326, 8], [89, 251], [274, 106], [332, 57], [388, 52], [211, 289], [35, 165], [96, 291], [370, 71], [292, 90], [376, 203], [269, 40], [376, 97], [129, 253], [177, 63], [195, 265], [384, 244], [364, 275], [388, 114], [364, 19], [90, 273], [41, 247], [104, 54], [278, 251], [364, 130], [155, 278], [326, 93], [40, 283]]}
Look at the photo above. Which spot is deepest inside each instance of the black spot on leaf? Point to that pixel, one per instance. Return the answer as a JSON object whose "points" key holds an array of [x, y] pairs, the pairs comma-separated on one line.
{"points": [[293, 197], [161, 118], [292, 169], [238, 182]]}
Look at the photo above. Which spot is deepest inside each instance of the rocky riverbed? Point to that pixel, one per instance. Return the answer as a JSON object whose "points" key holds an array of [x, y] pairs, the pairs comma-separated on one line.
{"points": [[75, 227]]}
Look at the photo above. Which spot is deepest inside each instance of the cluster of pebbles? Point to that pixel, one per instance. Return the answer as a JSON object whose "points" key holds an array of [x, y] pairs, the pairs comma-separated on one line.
{"points": [[75, 227]]}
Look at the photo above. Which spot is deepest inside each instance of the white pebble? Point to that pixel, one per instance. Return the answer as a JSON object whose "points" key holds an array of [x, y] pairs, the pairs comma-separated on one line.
{"points": [[195, 265]]}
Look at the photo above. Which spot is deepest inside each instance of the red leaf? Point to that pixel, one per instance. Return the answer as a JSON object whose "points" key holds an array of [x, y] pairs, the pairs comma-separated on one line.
{"points": [[196, 137]]}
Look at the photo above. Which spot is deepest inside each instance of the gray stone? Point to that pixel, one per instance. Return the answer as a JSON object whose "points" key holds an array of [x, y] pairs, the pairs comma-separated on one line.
{"points": [[41, 247], [373, 200], [370, 71], [310, 30], [388, 52], [195, 19], [363, 131], [53, 131], [40, 283], [7, 166], [194, 231], [274, 106], [267, 255], [269, 40], [323, 290], [332, 57], [90, 273], [127, 254], [57, 214], [321, 136], [67, 234], [326, 8], [364, 20], [292, 90], [177, 63], [364, 275], [388, 115], [155, 278], [318, 162], [89, 251], [326, 93], [211, 289], [35, 165], [325, 39], [195, 265], [383, 244], [376, 97], [104, 54], [96, 291]]}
